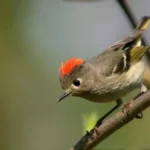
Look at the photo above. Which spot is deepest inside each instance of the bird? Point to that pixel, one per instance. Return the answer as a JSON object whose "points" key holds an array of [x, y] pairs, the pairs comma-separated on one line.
{"points": [[110, 75]]}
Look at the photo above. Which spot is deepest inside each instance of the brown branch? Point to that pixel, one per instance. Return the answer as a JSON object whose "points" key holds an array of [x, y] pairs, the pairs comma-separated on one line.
{"points": [[114, 123]]}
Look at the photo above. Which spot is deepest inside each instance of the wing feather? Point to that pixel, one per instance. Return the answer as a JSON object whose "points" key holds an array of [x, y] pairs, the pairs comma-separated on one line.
{"points": [[119, 57]]}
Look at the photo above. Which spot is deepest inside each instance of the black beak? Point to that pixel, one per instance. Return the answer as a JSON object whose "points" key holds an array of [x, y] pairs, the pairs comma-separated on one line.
{"points": [[65, 94]]}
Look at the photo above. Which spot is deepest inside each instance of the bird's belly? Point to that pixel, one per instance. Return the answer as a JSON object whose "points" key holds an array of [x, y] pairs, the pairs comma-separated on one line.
{"points": [[108, 97], [101, 99]]}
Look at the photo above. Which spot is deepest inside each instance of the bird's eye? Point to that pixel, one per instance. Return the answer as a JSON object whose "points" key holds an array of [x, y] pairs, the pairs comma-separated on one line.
{"points": [[76, 82]]}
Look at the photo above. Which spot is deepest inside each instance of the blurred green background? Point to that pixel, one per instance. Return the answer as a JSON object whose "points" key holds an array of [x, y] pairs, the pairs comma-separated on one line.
{"points": [[35, 37]]}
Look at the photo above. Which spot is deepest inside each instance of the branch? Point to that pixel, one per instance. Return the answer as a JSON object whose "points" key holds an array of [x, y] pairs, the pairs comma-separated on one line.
{"points": [[114, 123]]}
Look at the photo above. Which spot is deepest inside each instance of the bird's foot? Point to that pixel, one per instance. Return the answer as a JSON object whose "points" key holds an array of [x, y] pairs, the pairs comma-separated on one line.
{"points": [[139, 116], [96, 130], [91, 132], [125, 108]]}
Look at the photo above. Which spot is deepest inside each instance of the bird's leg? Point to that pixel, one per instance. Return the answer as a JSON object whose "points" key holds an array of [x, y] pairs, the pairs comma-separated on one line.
{"points": [[143, 90], [99, 122], [126, 106]]}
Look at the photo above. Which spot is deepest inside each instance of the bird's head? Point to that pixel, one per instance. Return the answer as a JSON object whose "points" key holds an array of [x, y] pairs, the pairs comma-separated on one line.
{"points": [[75, 77]]}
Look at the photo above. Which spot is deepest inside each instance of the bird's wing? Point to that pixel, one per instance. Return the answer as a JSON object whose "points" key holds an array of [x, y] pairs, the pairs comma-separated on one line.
{"points": [[120, 56]]}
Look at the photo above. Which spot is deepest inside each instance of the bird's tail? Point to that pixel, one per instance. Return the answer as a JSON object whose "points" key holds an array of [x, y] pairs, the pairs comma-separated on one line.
{"points": [[143, 24], [137, 51], [141, 27]]}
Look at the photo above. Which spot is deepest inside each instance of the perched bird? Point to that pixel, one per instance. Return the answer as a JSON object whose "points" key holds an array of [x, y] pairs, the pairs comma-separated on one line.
{"points": [[110, 75]]}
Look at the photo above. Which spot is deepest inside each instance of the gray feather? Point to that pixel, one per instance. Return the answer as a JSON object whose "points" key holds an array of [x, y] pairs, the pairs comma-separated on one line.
{"points": [[109, 59]]}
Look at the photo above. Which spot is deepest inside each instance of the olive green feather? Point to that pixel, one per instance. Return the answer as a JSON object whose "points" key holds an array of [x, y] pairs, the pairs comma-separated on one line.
{"points": [[136, 53]]}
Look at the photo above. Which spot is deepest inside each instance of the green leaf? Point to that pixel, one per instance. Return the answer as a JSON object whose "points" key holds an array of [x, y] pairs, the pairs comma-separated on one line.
{"points": [[89, 121]]}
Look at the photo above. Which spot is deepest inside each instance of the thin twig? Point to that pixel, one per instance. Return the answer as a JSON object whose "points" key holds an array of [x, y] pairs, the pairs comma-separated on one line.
{"points": [[114, 123]]}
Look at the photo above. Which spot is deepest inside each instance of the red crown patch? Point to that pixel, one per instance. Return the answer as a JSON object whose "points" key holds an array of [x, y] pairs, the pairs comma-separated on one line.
{"points": [[67, 66]]}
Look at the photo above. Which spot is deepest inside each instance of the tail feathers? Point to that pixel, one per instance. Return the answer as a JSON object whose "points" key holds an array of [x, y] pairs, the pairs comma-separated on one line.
{"points": [[135, 39], [137, 34], [143, 24]]}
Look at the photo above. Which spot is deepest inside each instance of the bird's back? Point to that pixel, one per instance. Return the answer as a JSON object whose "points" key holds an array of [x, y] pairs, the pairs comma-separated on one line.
{"points": [[106, 61]]}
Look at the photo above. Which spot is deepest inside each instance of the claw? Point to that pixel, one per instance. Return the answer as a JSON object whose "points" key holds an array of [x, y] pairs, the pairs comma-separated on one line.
{"points": [[90, 134], [139, 116], [125, 108], [96, 131]]}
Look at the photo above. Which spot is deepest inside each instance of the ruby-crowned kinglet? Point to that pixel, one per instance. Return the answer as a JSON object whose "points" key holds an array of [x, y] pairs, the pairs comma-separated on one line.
{"points": [[110, 75]]}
